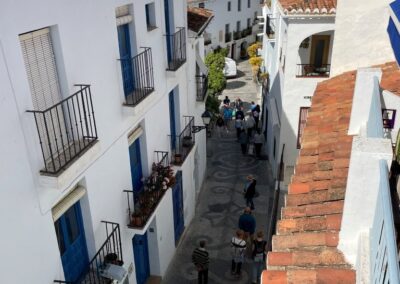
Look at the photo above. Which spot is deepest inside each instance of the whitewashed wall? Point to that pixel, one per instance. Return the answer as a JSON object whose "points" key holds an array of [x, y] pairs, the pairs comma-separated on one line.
{"points": [[84, 55], [361, 40]]}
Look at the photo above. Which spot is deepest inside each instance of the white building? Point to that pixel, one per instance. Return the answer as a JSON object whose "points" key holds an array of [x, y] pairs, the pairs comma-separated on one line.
{"points": [[234, 25], [92, 94], [297, 51]]}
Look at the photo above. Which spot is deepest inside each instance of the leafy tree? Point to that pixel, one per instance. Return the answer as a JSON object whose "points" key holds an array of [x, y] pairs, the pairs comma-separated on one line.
{"points": [[215, 62], [212, 103]]}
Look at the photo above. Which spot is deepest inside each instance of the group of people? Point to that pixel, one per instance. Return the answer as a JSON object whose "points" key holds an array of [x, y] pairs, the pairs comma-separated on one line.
{"points": [[243, 244], [247, 126]]}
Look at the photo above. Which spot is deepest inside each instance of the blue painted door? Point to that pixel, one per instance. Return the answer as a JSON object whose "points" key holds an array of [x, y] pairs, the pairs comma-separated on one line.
{"points": [[72, 243], [141, 252], [177, 199], [125, 56], [136, 166], [172, 119]]}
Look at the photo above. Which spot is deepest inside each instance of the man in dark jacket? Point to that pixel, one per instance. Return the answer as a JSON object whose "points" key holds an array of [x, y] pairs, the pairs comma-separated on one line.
{"points": [[250, 191], [247, 223], [201, 260]]}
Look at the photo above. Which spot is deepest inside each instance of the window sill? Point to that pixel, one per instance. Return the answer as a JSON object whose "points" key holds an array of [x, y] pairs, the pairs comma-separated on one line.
{"points": [[151, 28]]}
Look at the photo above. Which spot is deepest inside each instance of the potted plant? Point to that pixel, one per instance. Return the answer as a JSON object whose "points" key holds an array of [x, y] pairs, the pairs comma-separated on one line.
{"points": [[178, 158], [136, 218]]}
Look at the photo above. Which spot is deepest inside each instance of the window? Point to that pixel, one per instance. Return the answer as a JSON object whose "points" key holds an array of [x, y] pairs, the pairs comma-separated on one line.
{"points": [[248, 22], [238, 26], [255, 16], [248, 3], [274, 150], [150, 16], [388, 118], [226, 28], [202, 5], [239, 5], [229, 6], [302, 124]]}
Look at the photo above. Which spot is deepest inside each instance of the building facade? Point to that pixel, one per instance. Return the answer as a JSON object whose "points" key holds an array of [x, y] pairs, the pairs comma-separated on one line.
{"points": [[98, 103], [234, 26]]}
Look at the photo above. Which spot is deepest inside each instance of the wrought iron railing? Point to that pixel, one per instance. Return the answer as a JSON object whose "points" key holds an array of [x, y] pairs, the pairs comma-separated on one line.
{"points": [[270, 27], [183, 143], [275, 206], [228, 37], [201, 87], [138, 78], [312, 70], [110, 253], [207, 41], [237, 35], [66, 130], [176, 45], [143, 202]]}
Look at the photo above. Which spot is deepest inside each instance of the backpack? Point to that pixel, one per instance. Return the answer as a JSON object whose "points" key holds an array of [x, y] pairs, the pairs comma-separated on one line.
{"points": [[258, 252]]}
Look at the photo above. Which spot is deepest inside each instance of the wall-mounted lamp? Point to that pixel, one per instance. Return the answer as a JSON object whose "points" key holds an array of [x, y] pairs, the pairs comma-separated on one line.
{"points": [[206, 117]]}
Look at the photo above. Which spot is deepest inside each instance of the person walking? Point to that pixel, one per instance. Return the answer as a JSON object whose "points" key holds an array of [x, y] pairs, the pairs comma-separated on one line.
{"points": [[256, 114], [250, 191], [258, 142], [247, 223], [250, 123], [258, 256], [238, 245], [201, 260], [220, 125], [227, 117], [238, 104], [226, 101], [243, 140]]}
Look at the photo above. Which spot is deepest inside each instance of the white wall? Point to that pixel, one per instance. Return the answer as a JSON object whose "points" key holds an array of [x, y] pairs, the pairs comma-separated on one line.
{"points": [[361, 39], [84, 55], [222, 17]]}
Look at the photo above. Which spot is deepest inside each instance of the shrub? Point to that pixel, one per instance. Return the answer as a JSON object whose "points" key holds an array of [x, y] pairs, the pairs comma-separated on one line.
{"points": [[252, 49]]}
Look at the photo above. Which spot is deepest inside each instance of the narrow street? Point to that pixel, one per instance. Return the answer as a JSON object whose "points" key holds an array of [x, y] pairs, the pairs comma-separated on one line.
{"points": [[220, 202]]}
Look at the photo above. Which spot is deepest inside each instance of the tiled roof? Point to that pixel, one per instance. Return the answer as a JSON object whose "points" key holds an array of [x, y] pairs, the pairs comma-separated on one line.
{"points": [[308, 6], [390, 77], [198, 18], [304, 250]]}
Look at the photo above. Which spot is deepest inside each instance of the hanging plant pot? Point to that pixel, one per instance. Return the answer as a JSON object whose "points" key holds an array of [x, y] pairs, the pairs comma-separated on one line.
{"points": [[178, 158]]}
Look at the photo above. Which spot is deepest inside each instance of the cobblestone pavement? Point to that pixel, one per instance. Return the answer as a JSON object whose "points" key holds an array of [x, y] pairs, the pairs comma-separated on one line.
{"points": [[219, 206]]}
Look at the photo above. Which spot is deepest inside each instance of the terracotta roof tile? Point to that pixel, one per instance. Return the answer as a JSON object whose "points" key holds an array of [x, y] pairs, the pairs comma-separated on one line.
{"points": [[308, 233], [309, 6], [390, 77], [198, 17]]}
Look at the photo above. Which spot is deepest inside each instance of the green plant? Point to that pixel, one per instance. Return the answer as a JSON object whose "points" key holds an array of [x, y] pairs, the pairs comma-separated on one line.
{"points": [[215, 62], [212, 104]]}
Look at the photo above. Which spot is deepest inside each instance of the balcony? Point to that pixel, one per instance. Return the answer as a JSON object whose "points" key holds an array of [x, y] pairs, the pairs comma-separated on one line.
{"points": [[270, 27], [207, 41], [182, 144], [228, 37], [237, 35], [176, 45], [201, 87], [66, 130], [138, 78], [313, 71], [145, 201], [108, 257]]}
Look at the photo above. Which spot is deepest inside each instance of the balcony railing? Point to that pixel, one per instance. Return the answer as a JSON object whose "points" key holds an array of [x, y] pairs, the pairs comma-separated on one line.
{"points": [[270, 27], [207, 41], [237, 35], [138, 77], [66, 130], [312, 71], [176, 49], [142, 203], [228, 37], [201, 87], [109, 254], [183, 143]]}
